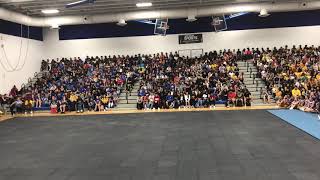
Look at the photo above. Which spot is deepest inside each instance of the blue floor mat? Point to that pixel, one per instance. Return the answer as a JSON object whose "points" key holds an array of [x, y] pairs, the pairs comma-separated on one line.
{"points": [[307, 122]]}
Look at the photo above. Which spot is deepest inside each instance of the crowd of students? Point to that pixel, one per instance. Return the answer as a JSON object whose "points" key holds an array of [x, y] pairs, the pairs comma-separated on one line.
{"points": [[75, 85], [171, 81], [166, 81], [292, 76]]}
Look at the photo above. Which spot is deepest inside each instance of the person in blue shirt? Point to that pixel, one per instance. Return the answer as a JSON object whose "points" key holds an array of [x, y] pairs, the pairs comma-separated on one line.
{"points": [[142, 92], [169, 99]]}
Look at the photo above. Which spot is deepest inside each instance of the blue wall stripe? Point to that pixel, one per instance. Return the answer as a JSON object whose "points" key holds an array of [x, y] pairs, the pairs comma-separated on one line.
{"points": [[14, 29], [179, 26]]}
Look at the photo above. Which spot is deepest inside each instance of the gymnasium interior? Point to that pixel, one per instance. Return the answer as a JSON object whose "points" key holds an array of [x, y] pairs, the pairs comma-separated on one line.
{"points": [[159, 90]]}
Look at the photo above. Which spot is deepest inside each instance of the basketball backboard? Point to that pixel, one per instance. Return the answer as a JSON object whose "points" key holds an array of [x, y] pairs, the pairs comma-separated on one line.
{"points": [[161, 27], [219, 23]]}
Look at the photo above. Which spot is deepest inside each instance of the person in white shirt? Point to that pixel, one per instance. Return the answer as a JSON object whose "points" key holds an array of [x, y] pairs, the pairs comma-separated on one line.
{"points": [[187, 99], [151, 101], [205, 99]]}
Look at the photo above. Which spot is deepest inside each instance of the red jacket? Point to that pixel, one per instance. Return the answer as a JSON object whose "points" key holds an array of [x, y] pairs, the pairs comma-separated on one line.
{"points": [[232, 95]]}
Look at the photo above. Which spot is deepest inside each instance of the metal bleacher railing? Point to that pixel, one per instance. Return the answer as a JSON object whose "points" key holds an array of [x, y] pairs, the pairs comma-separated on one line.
{"points": [[31, 81]]}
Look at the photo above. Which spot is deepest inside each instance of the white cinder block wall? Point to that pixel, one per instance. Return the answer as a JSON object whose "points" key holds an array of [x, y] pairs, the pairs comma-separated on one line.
{"points": [[31, 62], [153, 44], [51, 47]]}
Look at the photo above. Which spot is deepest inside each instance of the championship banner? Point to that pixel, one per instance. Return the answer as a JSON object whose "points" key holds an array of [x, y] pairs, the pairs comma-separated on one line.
{"points": [[190, 38]]}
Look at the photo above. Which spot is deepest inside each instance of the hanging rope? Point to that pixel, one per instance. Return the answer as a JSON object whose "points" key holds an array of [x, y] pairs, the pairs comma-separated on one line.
{"points": [[8, 62], [20, 54]]}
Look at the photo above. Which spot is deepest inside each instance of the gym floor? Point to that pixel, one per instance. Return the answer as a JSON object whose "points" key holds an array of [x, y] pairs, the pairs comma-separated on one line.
{"points": [[222, 145]]}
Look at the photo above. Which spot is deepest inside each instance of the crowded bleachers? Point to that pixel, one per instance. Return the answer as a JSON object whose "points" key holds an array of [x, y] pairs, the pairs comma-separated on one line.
{"points": [[291, 75], [74, 85], [167, 80], [171, 81]]}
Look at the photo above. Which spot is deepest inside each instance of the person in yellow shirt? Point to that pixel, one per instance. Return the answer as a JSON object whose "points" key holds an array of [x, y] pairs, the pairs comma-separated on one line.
{"points": [[285, 76], [228, 68], [278, 94], [296, 92], [214, 66], [73, 97], [305, 68], [293, 67], [28, 106], [234, 77], [105, 100], [318, 76], [73, 100], [142, 70], [232, 68], [298, 74]]}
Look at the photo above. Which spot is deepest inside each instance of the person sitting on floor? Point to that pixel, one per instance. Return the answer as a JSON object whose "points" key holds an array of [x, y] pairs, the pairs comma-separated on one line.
{"points": [[240, 98], [13, 108], [111, 103], [28, 106], [38, 100], [19, 105], [284, 102], [98, 105], [104, 102], [295, 103], [309, 105], [63, 105], [53, 105], [140, 103], [231, 97], [80, 105]]}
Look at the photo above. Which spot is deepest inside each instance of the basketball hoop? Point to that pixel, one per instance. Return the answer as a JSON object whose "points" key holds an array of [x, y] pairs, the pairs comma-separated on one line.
{"points": [[161, 27], [219, 23], [164, 26], [216, 21]]}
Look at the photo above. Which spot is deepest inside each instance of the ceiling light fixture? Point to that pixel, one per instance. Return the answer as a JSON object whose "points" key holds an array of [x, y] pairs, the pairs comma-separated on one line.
{"points": [[122, 22], [55, 26], [50, 11], [264, 13], [144, 4], [191, 18]]}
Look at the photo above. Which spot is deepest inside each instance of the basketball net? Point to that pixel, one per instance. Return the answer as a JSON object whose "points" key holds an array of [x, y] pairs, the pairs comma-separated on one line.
{"points": [[164, 26], [216, 21]]}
